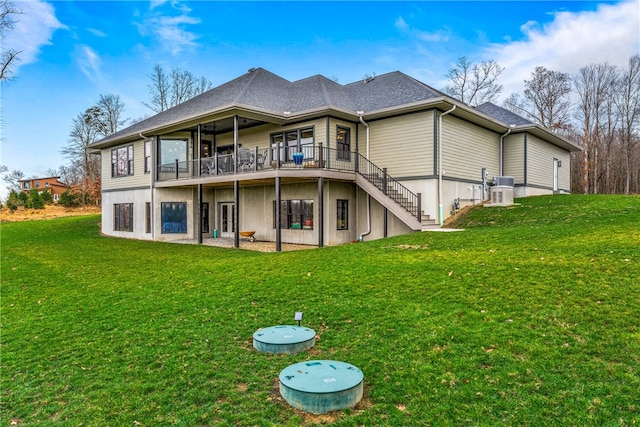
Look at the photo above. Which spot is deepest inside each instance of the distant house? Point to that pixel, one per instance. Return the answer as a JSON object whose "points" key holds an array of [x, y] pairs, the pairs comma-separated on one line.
{"points": [[316, 162], [51, 183]]}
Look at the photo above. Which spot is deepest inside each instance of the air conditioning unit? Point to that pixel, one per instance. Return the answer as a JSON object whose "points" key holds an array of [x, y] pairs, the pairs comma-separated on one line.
{"points": [[502, 195], [503, 180]]}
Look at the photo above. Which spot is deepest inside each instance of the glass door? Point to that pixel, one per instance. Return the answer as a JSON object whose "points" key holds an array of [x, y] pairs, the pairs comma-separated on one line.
{"points": [[227, 219]]}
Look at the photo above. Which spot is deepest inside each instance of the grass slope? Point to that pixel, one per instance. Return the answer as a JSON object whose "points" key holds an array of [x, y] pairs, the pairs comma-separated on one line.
{"points": [[529, 317]]}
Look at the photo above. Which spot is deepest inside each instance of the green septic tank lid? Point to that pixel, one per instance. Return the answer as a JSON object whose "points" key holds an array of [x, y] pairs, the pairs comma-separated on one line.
{"points": [[321, 386], [284, 339]]}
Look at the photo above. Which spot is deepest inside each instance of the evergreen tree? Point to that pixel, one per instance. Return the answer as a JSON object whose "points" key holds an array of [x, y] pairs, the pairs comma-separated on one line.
{"points": [[13, 201], [35, 200], [47, 198]]}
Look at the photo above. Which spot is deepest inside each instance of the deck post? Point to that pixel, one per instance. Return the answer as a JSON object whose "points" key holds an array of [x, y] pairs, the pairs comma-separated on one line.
{"points": [[385, 222], [278, 227], [419, 213], [385, 190], [255, 159], [278, 155], [235, 145], [199, 222], [236, 213], [320, 221], [199, 151]]}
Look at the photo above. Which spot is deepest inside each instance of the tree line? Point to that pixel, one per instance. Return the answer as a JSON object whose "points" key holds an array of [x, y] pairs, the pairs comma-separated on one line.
{"points": [[598, 109]]}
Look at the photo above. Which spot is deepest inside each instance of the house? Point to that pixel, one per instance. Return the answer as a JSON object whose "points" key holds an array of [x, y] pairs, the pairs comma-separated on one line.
{"points": [[316, 162], [50, 183]]}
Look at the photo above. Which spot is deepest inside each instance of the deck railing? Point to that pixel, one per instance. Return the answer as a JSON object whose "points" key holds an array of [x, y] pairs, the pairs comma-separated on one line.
{"points": [[256, 160]]}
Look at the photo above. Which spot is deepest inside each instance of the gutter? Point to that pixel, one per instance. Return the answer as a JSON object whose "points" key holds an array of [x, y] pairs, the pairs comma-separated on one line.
{"points": [[440, 208]]}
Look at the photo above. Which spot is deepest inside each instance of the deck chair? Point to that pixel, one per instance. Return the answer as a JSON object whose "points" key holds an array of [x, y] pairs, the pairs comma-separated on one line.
{"points": [[244, 159]]}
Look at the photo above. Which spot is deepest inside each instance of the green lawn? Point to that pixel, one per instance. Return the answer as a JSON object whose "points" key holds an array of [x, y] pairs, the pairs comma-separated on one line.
{"points": [[530, 317]]}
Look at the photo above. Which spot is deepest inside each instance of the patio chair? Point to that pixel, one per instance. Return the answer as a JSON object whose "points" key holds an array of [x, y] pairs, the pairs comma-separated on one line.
{"points": [[244, 159]]}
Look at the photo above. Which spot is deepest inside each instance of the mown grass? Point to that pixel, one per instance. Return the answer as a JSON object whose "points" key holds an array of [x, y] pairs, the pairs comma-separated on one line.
{"points": [[528, 317]]}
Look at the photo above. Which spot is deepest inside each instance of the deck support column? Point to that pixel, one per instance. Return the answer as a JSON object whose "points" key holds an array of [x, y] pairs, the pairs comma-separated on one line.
{"points": [[320, 221], [198, 149], [199, 220], [385, 222], [236, 213], [278, 227]]}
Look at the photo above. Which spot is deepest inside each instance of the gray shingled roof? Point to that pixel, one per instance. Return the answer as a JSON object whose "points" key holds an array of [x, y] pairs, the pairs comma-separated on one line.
{"points": [[389, 90], [502, 114], [263, 90]]}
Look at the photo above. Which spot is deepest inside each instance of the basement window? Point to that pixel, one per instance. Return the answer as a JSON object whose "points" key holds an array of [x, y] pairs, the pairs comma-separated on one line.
{"points": [[295, 214]]}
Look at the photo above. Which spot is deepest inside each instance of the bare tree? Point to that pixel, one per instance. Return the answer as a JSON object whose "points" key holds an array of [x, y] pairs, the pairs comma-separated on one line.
{"points": [[547, 95], [472, 83], [84, 132], [169, 90], [628, 106], [112, 108], [594, 85], [159, 90], [8, 56], [12, 178], [105, 116]]}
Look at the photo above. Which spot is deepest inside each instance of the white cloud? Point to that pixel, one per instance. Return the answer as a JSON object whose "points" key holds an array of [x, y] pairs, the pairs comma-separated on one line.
{"points": [[89, 62], [441, 35], [571, 41], [97, 32], [169, 30], [33, 29], [402, 25]]}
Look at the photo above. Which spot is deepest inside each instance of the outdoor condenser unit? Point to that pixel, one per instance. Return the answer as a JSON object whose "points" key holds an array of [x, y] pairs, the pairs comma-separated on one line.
{"points": [[503, 180], [502, 195]]}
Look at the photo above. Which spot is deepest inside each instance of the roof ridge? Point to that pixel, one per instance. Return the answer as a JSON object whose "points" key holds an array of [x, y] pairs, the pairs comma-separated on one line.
{"points": [[253, 72], [325, 92]]}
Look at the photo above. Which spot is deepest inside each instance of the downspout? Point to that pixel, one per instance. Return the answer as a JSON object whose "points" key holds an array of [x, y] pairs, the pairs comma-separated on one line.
{"points": [[366, 233], [366, 126], [502, 150], [440, 209], [151, 174]]}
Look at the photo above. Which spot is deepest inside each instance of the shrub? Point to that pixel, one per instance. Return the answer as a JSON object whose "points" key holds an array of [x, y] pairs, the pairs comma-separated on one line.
{"points": [[14, 201], [35, 200], [69, 199], [47, 197]]}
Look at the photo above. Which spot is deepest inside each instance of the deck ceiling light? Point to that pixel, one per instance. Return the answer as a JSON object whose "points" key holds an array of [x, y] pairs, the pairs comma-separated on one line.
{"points": [[298, 317]]}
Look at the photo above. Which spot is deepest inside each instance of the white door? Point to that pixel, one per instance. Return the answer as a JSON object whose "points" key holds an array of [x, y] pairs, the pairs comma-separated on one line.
{"points": [[555, 174], [227, 218]]}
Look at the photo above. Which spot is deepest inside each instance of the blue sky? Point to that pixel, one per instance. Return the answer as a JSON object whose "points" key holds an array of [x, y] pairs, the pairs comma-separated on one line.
{"points": [[72, 52]]}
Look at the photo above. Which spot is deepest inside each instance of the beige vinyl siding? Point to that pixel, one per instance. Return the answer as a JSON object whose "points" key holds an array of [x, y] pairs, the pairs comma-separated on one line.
{"points": [[467, 148], [540, 157], [403, 144], [514, 157], [138, 179]]}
